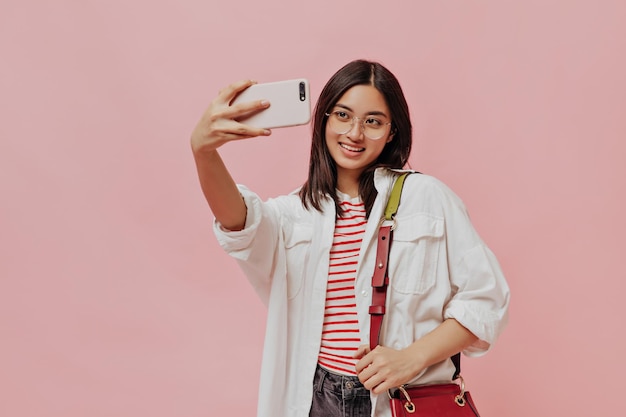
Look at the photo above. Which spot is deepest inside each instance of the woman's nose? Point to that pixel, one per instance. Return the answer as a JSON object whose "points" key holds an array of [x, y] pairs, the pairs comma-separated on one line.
{"points": [[355, 133]]}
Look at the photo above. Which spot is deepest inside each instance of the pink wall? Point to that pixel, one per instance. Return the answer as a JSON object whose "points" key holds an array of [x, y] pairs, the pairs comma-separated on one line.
{"points": [[115, 299]]}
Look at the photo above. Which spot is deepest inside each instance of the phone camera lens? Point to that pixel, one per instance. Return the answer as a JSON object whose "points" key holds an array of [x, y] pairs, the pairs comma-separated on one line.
{"points": [[302, 91]]}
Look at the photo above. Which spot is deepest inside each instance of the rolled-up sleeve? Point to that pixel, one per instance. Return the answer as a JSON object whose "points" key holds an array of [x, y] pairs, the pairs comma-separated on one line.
{"points": [[481, 301], [238, 243], [255, 246], [480, 294]]}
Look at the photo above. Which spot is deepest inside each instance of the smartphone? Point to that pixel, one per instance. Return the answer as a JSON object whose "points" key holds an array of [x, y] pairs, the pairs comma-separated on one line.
{"points": [[290, 104]]}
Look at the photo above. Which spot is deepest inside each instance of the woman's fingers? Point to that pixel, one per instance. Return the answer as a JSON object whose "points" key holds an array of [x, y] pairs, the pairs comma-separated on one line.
{"points": [[361, 351], [384, 368], [241, 110], [221, 121], [228, 93], [228, 129], [223, 109]]}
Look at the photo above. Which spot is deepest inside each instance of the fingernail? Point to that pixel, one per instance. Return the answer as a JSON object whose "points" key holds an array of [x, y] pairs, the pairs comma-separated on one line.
{"points": [[267, 132], [265, 103]]}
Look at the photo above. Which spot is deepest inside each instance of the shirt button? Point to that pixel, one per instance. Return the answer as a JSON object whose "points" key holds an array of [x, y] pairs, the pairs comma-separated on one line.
{"points": [[364, 293]]}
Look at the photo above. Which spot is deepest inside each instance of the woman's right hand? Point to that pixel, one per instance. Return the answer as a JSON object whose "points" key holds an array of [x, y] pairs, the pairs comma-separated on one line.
{"points": [[218, 124]]}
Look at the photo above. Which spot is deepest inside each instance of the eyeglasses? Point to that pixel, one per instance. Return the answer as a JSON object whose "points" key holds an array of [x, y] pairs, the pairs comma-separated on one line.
{"points": [[341, 123]]}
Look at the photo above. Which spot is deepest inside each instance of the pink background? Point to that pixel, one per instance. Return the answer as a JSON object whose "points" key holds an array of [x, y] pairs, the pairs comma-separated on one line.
{"points": [[115, 299]]}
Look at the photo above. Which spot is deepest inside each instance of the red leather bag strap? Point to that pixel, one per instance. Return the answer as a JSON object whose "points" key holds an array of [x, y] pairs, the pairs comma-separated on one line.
{"points": [[380, 278]]}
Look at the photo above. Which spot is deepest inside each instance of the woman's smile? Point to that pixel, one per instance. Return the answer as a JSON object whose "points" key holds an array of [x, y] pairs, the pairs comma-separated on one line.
{"points": [[351, 148]]}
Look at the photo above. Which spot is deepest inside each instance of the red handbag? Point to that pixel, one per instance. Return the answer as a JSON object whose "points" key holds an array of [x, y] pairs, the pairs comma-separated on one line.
{"points": [[442, 400]]}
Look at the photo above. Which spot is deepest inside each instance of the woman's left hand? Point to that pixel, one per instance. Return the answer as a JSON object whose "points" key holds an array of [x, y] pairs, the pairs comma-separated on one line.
{"points": [[384, 368]]}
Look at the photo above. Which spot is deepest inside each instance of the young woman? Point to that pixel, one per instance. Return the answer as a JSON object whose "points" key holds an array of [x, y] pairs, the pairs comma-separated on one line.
{"points": [[310, 255]]}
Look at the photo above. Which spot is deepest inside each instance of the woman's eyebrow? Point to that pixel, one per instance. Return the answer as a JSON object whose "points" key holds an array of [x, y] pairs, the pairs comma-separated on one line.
{"points": [[343, 106], [369, 113]]}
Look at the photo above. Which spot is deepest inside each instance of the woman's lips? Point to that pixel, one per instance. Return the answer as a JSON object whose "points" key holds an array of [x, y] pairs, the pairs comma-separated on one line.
{"points": [[351, 148]]}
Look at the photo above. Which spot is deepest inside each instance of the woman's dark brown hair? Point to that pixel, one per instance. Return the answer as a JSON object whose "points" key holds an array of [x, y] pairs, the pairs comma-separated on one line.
{"points": [[322, 181]]}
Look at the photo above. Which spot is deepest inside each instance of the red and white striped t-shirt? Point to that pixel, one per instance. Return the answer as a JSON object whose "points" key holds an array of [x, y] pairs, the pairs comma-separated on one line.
{"points": [[340, 333]]}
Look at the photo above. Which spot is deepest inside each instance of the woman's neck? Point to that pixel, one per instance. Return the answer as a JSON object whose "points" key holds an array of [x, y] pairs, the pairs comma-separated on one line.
{"points": [[348, 184]]}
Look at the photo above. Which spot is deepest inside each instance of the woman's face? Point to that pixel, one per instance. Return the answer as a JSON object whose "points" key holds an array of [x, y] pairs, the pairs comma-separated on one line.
{"points": [[353, 152]]}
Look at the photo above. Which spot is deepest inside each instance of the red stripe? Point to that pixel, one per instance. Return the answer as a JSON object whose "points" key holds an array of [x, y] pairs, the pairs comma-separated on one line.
{"points": [[336, 368], [345, 297], [358, 232], [354, 349], [347, 313], [352, 271], [350, 203], [344, 362], [329, 323], [332, 252], [342, 339], [342, 262], [351, 225], [337, 281], [347, 242], [340, 289], [344, 306], [330, 355], [341, 331], [353, 217]]}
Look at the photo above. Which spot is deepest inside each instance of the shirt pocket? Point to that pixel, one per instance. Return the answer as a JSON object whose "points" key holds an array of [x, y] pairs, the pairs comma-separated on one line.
{"points": [[415, 250], [297, 245]]}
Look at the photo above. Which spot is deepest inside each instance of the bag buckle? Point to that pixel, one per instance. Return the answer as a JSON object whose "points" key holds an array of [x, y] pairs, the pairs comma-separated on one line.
{"points": [[387, 223], [460, 399], [408, 406]]}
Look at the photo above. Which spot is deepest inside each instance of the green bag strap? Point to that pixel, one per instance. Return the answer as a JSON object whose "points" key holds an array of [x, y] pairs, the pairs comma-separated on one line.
{"points": [[394, 198]]}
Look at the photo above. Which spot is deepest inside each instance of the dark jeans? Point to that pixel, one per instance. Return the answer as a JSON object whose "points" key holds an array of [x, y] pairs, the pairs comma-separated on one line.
{"points": [[339, 396]]}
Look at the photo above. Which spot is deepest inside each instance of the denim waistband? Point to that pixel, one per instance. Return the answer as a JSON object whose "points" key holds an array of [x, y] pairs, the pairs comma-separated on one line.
{"points": [[344, 385]]}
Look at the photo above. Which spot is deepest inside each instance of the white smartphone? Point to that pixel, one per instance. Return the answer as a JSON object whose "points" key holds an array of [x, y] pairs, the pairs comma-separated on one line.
{"points": [[290, 104]]}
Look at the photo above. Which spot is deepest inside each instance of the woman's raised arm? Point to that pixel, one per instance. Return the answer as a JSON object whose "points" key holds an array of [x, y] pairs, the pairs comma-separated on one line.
{"points": [[218, 126]]}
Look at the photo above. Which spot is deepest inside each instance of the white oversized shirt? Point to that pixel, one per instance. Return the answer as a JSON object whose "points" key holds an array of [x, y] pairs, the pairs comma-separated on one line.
{"points": [[439, 268]]}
